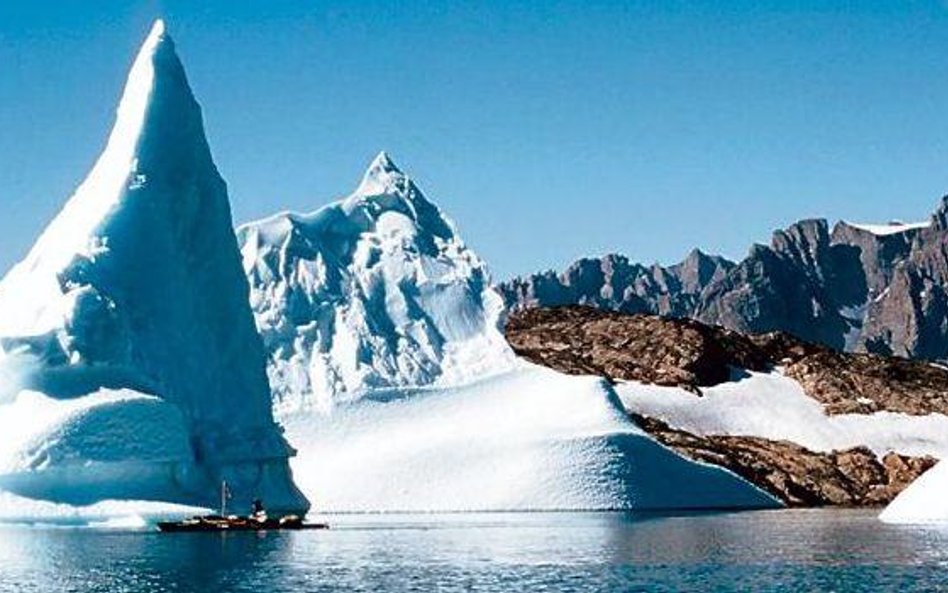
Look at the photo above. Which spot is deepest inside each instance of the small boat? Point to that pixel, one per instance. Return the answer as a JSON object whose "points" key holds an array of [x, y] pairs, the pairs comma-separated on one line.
{"points": [[259, 521], [237, 523]]}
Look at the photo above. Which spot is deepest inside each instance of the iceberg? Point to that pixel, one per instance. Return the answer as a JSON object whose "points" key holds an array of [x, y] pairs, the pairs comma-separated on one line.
{"points": [[130, 362], [139, 335], [530, 439], [392, 377], [374, 291]]}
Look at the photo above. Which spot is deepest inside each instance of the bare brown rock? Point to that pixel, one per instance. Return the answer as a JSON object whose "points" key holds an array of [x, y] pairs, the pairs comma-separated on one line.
{"points": [[691, 355], [796, 475], [646, 348]]}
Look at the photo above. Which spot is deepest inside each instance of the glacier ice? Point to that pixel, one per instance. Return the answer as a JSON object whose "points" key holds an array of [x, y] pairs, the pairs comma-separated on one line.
{"points": [[527, 439], [374, 291], [105, 514], [128, 324]]}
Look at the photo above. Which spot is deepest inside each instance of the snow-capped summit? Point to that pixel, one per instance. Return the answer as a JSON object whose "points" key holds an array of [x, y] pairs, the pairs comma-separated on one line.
{"points": [[371, 292], [136, 288]]}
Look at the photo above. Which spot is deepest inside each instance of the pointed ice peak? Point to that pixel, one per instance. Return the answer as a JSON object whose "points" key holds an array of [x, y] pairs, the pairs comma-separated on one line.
{"points": [[141, 78], [157, 139], [383, 163], [383, 177], [157, 28], [155, 112]]}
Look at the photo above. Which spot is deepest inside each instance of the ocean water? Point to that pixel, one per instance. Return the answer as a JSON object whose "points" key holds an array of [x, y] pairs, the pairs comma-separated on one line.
{"points": [[811, 550]]}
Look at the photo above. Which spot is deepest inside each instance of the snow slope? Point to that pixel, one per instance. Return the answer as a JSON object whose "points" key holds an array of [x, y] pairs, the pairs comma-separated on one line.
{"points": [[129, 354], [924, 501], [108, 444], [374, 291], [773, 406], [528, 439]]}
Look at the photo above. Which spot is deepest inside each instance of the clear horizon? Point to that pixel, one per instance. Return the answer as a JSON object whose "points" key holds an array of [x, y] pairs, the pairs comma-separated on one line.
{"points": [[546, 133]]}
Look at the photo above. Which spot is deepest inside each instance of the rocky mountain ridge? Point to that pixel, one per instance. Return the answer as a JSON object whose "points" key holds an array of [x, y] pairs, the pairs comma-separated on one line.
{"points": [[852, 287]]}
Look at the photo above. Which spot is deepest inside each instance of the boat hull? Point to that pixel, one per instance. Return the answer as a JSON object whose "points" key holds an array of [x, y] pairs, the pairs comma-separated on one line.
{"points": [[227, 524]]}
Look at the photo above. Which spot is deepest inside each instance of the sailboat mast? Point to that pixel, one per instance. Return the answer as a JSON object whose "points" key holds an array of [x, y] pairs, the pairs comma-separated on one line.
{"points": [[223, 498]]}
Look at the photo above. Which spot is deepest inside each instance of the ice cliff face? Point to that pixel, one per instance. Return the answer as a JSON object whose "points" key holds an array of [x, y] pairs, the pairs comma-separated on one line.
{"points": [[129, 322], [372, 292]]}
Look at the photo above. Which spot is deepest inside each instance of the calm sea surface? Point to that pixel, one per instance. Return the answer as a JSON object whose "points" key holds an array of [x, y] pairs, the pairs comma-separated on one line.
{"points": [[760, 551]]}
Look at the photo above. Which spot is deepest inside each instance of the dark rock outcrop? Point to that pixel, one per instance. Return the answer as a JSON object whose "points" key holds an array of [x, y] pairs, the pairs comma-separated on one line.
{"points": [[691, 355], [909, 316], [795, 474], [799, 284]]}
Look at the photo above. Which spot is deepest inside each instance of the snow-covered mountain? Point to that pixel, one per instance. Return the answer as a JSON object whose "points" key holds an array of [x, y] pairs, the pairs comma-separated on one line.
{"points": [[374, 291], [132, 366]]}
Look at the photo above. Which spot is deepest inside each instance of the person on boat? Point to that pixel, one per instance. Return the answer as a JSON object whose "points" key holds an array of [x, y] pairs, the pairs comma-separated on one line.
{"points": [[257, 512]]}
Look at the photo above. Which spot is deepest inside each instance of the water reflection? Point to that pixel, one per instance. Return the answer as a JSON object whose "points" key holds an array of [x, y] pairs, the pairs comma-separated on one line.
{"points": [[769, 550]]}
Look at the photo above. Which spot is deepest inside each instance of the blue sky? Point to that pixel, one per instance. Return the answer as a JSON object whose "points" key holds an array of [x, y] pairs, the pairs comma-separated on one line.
{"points": [[547, 131]]}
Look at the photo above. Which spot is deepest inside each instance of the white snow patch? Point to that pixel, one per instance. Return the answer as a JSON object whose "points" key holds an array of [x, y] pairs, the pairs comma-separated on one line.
{"points": [[773, 406], [891, 228], [530, 439], [39, 430], [853, 315]]}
